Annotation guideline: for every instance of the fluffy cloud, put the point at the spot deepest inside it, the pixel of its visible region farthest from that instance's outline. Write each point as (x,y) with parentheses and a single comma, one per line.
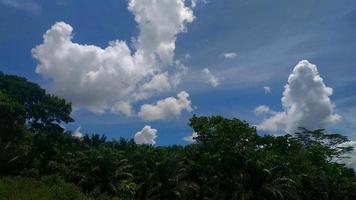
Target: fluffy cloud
(305,101)
(159,23)
(190,138)
(210,78)
(229,55)
(274,123)
(87,75)
(167,108)
(158,83)
(147,135)
(97,78)
(267,90)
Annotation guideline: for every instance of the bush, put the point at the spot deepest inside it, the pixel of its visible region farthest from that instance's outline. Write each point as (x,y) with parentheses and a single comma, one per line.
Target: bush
(48,188)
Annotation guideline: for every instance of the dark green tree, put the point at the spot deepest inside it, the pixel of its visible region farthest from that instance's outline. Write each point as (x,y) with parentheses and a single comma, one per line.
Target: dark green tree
(42,110)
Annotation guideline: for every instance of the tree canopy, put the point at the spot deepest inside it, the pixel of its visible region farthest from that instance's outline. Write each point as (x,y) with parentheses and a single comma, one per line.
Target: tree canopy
(229,159)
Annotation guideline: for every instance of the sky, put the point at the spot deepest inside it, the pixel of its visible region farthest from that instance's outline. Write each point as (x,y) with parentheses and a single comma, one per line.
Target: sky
(141,68)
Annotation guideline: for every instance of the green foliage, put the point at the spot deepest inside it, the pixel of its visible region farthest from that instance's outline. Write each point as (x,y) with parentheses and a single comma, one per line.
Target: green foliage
(41,109)
(101,170)
(47,188)
(12,118)
(39,160)
(13,141)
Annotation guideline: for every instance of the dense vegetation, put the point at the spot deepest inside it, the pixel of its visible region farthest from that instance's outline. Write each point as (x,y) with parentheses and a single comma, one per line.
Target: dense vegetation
(40,160)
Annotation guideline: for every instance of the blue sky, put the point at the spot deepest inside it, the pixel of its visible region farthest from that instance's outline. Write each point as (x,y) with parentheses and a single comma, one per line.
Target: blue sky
(266,39)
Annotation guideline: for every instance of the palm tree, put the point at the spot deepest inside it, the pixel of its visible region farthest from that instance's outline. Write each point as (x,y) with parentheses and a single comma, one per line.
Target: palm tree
(101,170)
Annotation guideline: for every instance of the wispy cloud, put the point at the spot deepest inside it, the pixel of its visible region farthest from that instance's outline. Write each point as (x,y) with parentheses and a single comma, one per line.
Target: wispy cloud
(267,90)
(229,55)
(25,5)
(210,78)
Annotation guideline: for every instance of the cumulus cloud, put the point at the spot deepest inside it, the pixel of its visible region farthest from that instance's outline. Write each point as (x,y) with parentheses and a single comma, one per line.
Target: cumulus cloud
(210,78)
(190,138)
(158,83)
(159,23)
(267,90)
(229,55)
(274,123)
(87,75)
(77,133)
(147,135)
(305,101)
(97,78)
(167,108)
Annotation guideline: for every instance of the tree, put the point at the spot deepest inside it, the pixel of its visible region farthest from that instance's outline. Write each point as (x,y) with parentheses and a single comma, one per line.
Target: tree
(12,119)
(41,109)
(229,160)
(224,146)
(14,142)
(101,170)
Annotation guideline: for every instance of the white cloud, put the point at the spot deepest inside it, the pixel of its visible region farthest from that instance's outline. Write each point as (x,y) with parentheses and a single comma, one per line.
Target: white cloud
(274,123)
(25,5)
(267,90)
(229,55)
(210,78)
(190,138)
(262,109)
(87,75)
(305,101)
(181,71)
(147,135)
(159,23)
(158,83)
(77,133)
(122,107)
(97,78)
(186,57)
(351,161)
(195,2)
(167,108)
